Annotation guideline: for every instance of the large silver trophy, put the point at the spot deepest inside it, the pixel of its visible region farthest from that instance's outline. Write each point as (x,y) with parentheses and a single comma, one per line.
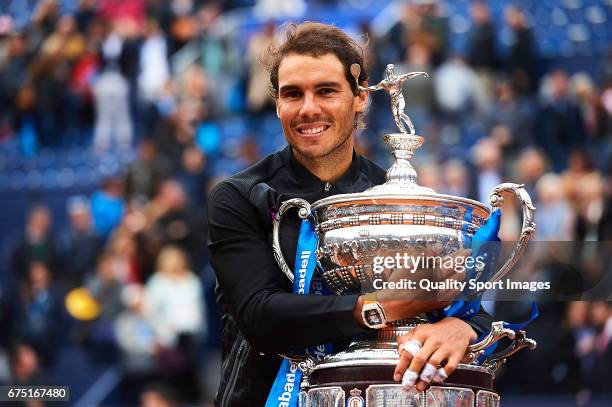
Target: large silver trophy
(396,217)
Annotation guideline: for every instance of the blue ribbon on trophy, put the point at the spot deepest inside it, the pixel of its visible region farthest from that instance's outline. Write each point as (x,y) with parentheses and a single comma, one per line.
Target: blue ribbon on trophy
(286,386)
(485,244)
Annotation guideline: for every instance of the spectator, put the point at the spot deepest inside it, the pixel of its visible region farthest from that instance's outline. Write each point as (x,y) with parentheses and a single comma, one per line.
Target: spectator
(194,175)
(105,288)
(80,91)
(65,44)
(604,230)
(258,92)
(554,216)
(38,245)
(429,176)
(396,41)
(593,113)
(113,118)
(600,317)
(531,165)
(112,96)
(579,164)
(145,173)
(126,262)
(13,75)
(172,220)
(456,179)
(45,18)
(40,314)
(51,75)
(85,14)
(154,69)
(107,206)
(433,28)
(81,244)
(25,367)
(514,112)
(486,156)
(421,21)
(173,298)
(173,305)
(523,52)
(483,52)
(560,124)
(591,200)
(135,335)
(458,90)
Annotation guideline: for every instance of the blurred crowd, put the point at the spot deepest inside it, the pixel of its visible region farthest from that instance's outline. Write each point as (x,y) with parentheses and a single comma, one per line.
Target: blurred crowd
(127,278)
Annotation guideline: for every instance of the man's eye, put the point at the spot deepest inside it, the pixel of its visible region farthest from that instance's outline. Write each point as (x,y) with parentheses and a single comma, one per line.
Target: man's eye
(292,94)
(326,91)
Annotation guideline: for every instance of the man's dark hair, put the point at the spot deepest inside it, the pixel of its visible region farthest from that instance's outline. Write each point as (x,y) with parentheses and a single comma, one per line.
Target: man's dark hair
(316,39)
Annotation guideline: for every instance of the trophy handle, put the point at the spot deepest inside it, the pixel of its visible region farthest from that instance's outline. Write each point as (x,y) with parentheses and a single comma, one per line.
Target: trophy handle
(527,229)
(305,363)
(304,213)
(497,332)
(521,341)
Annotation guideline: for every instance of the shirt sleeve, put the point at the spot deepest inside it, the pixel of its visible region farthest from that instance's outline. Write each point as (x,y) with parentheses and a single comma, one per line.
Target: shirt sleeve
(481,322)
(255,291)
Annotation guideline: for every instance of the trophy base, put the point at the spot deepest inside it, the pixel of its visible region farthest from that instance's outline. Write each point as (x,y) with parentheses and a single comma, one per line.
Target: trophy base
(362,375)
(355,386)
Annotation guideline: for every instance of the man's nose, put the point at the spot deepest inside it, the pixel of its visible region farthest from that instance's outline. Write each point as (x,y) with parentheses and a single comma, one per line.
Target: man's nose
(310,106)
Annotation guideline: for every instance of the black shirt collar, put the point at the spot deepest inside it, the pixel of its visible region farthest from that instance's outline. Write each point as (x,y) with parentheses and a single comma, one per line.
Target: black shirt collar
(308,179)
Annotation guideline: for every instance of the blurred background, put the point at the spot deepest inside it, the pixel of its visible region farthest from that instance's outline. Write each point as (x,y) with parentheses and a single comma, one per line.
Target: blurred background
(118,116)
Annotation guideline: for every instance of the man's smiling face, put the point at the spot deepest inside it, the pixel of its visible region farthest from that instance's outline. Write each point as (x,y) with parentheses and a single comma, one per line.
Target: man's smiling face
(316,106)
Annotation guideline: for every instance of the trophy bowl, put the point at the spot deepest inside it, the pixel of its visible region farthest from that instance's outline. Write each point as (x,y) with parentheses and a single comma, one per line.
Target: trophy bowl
(357,232)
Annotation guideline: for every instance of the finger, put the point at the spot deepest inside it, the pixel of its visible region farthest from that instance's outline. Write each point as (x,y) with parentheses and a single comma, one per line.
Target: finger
(425,377)
(407,350)
(431,369)
(419,360)
(408,379)
(402,365)
(451,365)
(440,376)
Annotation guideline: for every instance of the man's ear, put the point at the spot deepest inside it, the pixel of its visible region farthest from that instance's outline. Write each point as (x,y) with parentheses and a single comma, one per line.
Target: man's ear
(276,104)
(361,99)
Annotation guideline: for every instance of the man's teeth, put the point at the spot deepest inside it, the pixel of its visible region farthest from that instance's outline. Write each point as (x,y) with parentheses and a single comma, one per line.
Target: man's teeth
(315,130)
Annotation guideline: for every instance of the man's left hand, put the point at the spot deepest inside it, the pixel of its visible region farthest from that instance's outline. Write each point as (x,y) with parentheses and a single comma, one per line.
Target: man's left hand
(442,343)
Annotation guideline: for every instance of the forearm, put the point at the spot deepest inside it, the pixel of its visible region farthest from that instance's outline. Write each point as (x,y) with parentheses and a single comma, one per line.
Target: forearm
(394,310)
(278,322)
(481,322)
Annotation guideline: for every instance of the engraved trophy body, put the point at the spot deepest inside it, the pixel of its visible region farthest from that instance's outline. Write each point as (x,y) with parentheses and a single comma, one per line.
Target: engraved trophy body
(398,216)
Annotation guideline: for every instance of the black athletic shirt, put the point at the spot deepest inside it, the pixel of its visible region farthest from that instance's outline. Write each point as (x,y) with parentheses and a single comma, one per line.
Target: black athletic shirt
(260,314)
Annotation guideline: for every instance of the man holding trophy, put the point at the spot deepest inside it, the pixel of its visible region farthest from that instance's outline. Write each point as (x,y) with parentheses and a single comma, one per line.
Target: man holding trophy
(321,93)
